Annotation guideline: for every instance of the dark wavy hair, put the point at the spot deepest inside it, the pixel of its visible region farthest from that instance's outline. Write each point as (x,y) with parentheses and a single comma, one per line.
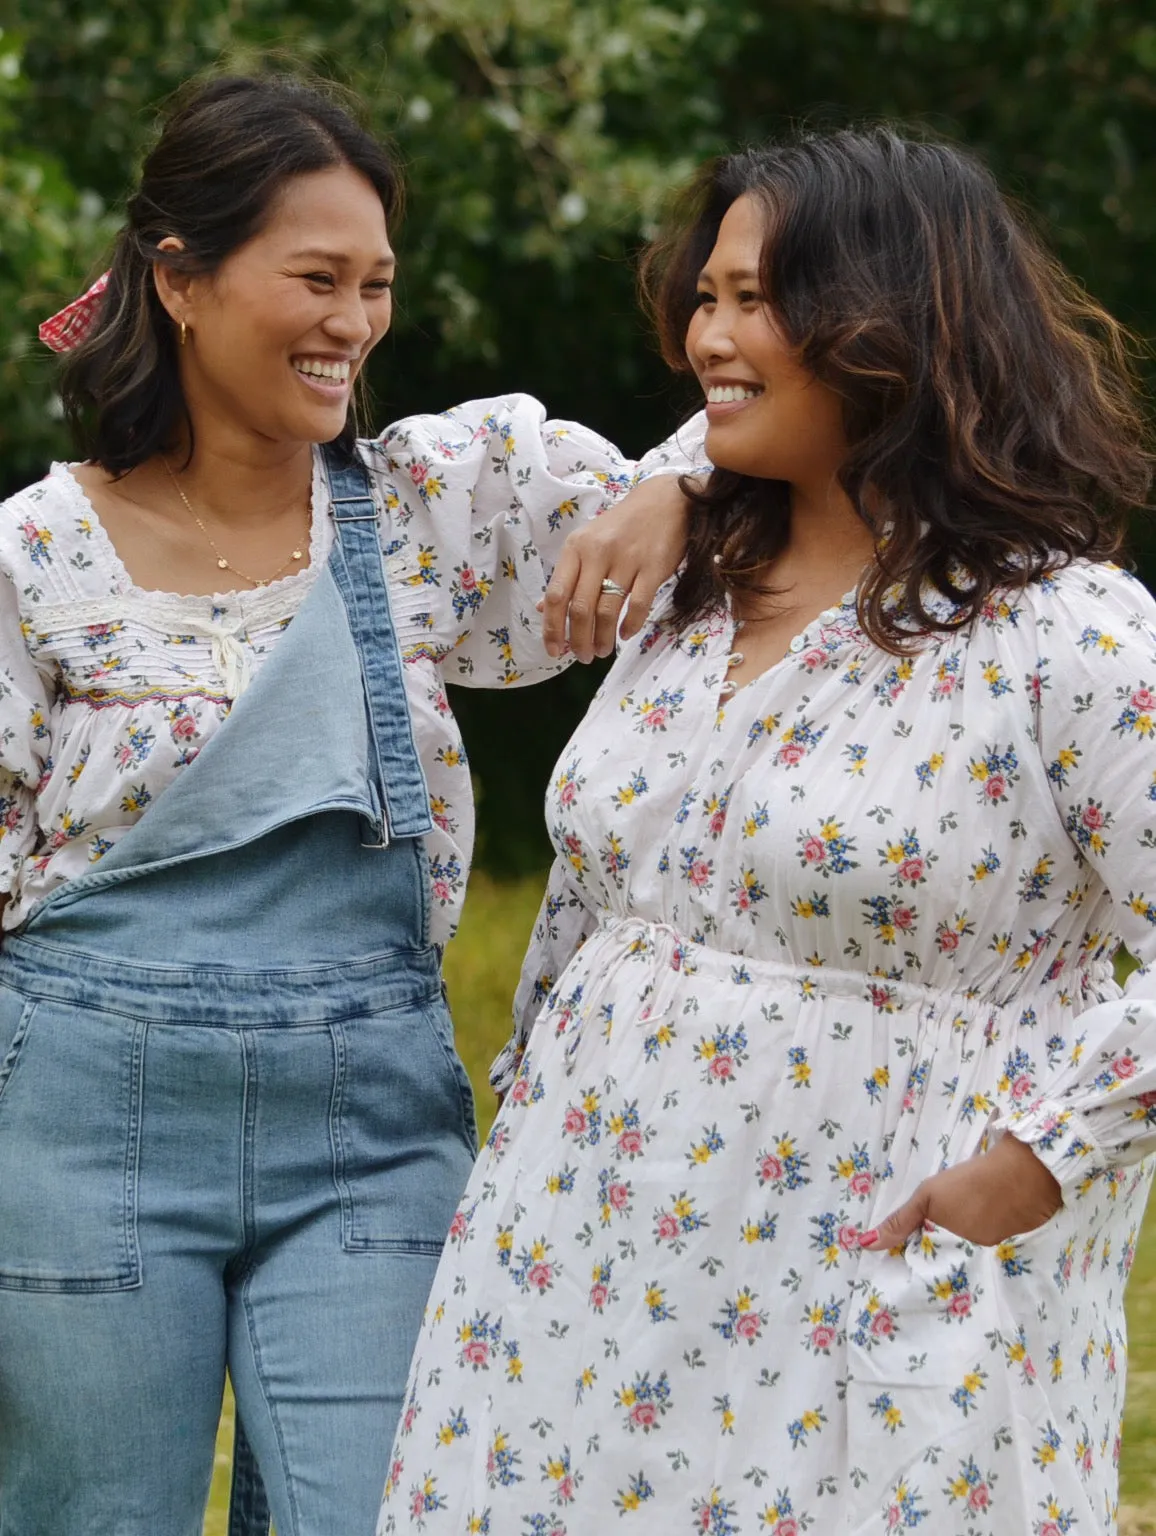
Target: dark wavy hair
(227,148)
(990,404)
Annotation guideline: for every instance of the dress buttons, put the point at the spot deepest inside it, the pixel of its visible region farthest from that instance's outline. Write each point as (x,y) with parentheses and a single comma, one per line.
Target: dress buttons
(797,644)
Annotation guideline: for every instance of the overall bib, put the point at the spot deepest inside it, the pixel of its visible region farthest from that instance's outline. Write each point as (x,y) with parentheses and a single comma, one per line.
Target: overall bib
(233,1125)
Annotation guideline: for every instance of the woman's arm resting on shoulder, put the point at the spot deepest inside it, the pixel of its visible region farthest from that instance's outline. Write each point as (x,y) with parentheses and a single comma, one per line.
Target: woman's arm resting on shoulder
(479,503)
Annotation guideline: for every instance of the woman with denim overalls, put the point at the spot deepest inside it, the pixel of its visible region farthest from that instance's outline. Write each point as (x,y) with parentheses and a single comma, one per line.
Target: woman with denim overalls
(233,1125)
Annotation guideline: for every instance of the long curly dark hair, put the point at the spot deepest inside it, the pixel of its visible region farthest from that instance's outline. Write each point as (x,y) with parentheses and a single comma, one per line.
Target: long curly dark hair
(990,405)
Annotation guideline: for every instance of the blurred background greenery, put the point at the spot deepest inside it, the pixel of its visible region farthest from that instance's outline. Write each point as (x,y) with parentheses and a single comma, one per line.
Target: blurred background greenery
(540,138)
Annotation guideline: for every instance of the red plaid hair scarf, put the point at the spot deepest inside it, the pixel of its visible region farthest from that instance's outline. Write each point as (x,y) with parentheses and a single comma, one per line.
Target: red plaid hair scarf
(70,325)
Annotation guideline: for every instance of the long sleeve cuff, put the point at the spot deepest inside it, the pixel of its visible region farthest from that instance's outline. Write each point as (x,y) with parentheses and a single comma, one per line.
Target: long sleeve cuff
(1060,1137)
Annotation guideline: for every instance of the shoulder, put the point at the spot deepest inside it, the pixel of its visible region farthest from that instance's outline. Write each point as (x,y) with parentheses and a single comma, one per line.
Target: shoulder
(453,431)
(1093,608)
(40,525)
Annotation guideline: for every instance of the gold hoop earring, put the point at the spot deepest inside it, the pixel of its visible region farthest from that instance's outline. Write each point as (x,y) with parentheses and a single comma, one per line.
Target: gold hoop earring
(184,333)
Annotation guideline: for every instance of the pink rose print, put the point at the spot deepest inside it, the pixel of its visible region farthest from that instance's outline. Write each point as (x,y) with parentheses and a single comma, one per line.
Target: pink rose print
(721,1066)
(1144,700)
(1093,818)
(574,1121)
(979,1498)
(630,1143)
(883,1324)
(749,1325)
(959,1305)
(540,1275)
(618,1195)
(823,1336)
(1124,1066)
(667,1226)
(911,870)
(475,1352)
(813,850)
(848,1237)
(862,1183)
(468,579)
(644,1415)
(995,788)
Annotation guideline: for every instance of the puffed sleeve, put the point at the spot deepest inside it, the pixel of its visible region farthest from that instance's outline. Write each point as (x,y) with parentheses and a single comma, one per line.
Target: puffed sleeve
(480,500)
(564,924)
(24,739)
(1098,721)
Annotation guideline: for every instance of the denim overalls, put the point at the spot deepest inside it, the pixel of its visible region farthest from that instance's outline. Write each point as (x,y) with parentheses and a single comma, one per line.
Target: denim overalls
(233,1126)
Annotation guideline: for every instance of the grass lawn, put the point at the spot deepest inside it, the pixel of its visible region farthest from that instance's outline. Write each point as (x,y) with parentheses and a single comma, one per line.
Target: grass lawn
(481,967)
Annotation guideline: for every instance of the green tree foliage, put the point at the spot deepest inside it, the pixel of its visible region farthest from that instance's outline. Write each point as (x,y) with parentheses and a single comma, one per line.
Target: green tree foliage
(541,138)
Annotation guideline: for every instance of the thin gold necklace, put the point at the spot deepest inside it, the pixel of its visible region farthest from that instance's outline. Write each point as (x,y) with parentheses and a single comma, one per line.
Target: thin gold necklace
(224,564)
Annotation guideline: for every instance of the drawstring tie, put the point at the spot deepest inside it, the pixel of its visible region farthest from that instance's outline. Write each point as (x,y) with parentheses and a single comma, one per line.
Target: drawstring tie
(616,942)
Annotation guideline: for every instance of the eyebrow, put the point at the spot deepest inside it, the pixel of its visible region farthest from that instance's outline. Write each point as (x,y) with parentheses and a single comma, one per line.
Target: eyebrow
(735,275)
(337,258)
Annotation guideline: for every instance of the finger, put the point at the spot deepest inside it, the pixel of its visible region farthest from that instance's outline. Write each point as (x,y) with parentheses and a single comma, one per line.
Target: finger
(583,615)
(642,595)
(607,613)
(556,602)
(898,1227)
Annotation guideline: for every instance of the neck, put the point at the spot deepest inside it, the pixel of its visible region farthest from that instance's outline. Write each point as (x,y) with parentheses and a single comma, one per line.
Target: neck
(826,531)
(238,478)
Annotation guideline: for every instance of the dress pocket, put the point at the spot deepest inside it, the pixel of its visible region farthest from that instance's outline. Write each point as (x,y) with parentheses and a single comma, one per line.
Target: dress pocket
(402,1126)
(70,1111)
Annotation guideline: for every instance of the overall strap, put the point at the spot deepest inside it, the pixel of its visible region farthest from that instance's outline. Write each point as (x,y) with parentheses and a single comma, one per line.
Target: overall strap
(359,571)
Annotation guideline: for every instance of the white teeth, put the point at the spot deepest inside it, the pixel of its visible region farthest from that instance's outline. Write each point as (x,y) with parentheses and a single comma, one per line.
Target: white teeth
(317,369)
(725,394)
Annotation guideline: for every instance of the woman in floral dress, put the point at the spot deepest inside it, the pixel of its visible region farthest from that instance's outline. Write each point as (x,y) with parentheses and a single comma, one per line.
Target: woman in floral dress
(820,1167)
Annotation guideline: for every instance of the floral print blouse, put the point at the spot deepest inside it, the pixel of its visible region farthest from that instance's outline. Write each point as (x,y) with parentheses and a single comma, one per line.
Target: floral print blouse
(108,690)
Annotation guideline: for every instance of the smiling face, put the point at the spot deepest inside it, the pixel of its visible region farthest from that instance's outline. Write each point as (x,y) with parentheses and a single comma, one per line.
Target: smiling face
(280,331)
(767,415)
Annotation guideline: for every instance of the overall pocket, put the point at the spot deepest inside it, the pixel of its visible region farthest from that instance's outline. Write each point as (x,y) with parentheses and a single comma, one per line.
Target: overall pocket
(402,1124)
(70,1109)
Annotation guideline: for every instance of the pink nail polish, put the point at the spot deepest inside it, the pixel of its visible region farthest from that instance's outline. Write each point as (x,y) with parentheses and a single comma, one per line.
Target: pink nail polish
(867,1238)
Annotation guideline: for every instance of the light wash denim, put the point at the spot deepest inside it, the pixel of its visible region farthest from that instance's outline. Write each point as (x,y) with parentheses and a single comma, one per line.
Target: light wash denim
(233,1125)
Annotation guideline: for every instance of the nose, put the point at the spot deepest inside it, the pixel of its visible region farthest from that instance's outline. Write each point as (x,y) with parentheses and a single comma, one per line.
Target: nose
(348,320)
(709,339)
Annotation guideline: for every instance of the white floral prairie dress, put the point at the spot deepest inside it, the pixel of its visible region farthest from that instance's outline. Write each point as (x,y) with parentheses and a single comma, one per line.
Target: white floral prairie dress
(798,953)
